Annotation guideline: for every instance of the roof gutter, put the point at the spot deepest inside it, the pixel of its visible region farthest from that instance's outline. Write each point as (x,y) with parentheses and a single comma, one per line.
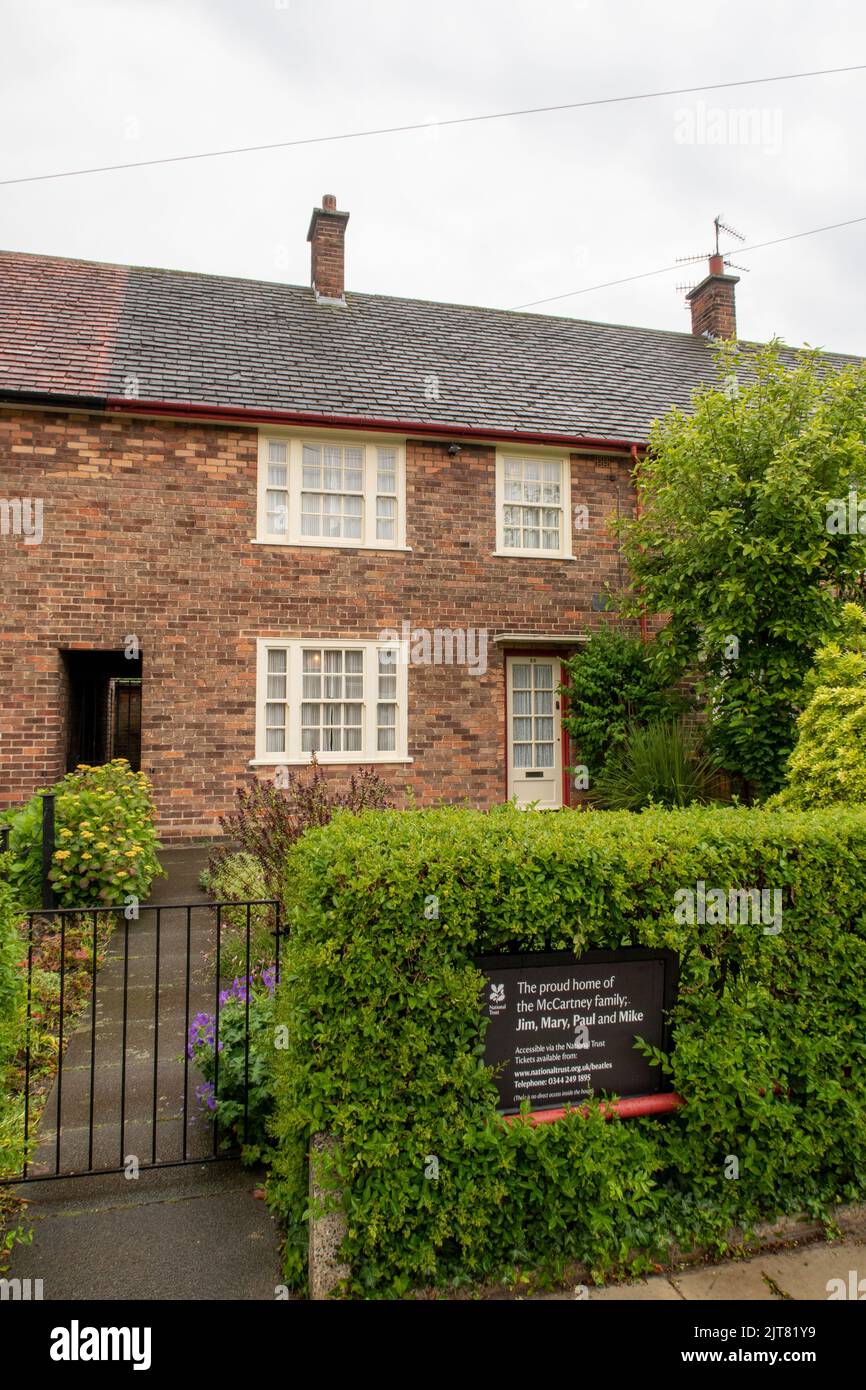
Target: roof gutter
(136,405)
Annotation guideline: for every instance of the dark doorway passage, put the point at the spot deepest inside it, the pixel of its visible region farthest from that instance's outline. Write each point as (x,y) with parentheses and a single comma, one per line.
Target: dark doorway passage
(104,707)
(126,723)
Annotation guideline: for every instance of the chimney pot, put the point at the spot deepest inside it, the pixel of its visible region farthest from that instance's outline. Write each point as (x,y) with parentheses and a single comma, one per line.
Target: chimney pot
(327,252)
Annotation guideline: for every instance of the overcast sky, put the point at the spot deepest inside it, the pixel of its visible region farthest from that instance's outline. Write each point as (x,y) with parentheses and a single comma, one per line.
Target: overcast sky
(496,213)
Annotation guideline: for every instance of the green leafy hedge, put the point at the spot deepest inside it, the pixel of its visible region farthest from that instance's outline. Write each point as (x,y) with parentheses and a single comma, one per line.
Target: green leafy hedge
(105,839)
(382,1037)
(828,761)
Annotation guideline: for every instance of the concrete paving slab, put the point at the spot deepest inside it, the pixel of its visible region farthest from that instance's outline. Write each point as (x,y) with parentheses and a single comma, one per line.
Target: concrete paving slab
(108,1079)
(806,1273)
(213,1243)
(109,1152)
(656,1290)
(99,1191)
(740,1279)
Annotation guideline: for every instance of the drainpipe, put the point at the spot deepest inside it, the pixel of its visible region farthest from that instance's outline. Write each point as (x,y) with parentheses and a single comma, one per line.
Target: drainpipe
(644,634)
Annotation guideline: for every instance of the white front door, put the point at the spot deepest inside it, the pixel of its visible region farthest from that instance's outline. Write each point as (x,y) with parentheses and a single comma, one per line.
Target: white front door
(534,731)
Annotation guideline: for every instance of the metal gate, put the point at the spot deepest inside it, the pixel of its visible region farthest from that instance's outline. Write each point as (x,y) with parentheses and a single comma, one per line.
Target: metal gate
(123,1047)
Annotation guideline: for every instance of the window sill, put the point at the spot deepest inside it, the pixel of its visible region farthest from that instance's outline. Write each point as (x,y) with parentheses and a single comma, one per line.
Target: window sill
(330,760)
(333,545)
(530,555)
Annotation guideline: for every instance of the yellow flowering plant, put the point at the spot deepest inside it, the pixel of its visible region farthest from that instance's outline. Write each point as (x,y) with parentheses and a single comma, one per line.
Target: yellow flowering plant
(86,863)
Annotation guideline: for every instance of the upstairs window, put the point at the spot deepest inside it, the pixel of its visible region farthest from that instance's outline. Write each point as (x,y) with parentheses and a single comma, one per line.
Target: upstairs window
(533,506)
(331,493)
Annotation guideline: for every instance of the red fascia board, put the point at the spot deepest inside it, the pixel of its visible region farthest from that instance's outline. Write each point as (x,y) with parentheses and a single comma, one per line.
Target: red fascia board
(626,1108)
(250,414)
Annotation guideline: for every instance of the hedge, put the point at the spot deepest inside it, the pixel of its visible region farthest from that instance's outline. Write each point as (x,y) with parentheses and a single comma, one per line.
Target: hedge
(104,833)
(381,1041)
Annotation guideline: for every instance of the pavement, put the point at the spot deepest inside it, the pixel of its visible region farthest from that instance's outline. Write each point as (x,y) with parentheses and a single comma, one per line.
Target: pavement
(812,1272)
(187,1230)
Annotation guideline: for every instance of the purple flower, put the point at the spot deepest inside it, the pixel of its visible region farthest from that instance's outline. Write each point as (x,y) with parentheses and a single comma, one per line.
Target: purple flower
(202,1030)
(201,1033)
(206,1094)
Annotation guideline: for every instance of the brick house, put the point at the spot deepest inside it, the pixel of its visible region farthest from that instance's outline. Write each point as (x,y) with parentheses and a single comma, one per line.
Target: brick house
(243,521)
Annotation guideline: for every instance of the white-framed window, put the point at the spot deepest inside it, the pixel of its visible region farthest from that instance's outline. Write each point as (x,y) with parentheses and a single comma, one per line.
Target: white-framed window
(533,505)
(341,491)
(343,699)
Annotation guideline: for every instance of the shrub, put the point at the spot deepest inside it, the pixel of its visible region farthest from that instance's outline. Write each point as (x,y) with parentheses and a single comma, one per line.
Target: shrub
(24,864)
(241,877)
(663,763)
(237,876)
(12,987)
(828,762)
(381,1005)
(11,976)
(240,1097)
(269,819)
(613,685)
(104,833)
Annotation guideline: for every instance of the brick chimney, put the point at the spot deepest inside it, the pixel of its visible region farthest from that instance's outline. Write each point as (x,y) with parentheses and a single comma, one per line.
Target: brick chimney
(712,303)
(327,257)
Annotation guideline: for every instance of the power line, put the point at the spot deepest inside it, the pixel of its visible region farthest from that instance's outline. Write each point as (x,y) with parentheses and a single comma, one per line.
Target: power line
(664,269)
(430,125)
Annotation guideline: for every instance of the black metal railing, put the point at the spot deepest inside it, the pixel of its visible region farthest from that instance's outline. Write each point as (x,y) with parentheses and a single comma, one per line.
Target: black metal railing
(112,994)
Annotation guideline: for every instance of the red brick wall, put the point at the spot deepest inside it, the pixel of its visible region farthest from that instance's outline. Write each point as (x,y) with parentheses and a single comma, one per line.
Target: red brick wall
(714,309)
(147,529)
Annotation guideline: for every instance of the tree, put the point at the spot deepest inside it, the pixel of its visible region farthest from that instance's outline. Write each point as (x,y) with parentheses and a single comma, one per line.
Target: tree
(828,763)
(749,539)
(613,686)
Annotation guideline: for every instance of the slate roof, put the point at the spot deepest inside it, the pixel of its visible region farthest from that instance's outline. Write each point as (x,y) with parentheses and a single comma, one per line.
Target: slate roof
(82,328)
